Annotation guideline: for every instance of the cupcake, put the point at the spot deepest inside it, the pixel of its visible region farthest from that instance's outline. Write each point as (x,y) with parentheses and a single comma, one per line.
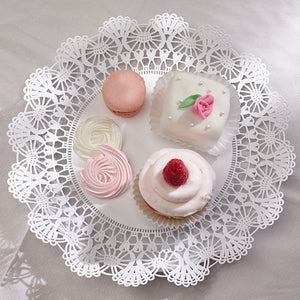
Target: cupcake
(175,183)
(201,111)
(124,93)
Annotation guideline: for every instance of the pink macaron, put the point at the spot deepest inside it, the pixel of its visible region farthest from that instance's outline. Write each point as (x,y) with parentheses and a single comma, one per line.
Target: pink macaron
(124,93)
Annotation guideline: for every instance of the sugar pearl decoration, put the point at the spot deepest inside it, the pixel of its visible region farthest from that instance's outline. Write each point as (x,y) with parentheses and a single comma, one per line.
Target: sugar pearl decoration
(192,124)
(221,114)
(207,127)
(223,92)
(200,83)
(170,117)
(208,91)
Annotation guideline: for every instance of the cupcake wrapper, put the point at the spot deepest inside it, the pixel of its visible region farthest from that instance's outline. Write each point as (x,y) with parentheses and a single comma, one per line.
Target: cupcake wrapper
(161,219)
(230,129)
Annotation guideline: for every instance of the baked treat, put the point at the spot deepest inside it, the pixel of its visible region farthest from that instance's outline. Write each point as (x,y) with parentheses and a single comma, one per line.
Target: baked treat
(93,132)
(176,182)
(124,93)
(107,175)
(202,111)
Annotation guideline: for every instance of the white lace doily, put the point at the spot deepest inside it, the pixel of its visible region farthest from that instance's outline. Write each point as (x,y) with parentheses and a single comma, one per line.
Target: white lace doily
(93,243)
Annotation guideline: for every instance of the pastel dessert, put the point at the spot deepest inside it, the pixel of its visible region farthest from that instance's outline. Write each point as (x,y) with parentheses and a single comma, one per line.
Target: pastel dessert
(93,132)
(107,175)
(198,110)
(176,183)
(124,93)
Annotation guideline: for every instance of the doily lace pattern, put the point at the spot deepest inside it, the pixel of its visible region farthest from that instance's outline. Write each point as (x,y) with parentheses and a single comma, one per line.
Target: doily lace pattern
(93,244)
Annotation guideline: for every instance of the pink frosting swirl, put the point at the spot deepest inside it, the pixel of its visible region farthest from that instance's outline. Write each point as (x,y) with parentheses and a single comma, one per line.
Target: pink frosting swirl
(203,106)
(107,175)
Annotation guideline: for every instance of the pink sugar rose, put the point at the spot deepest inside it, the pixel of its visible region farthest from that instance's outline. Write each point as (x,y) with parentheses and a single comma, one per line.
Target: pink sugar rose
(203,106)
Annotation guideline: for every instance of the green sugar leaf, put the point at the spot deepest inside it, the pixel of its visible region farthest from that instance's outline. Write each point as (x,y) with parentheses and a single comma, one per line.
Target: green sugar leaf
(189,101)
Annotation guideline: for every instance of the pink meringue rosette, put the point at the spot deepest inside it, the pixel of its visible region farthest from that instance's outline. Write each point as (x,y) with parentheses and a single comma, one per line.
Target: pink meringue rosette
(107,175)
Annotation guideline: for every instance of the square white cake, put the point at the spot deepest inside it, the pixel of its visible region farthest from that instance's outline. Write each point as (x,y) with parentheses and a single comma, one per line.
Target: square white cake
(186,125)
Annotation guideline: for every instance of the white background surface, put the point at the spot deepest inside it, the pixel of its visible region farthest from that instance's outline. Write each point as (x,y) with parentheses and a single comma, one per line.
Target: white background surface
(31,31)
